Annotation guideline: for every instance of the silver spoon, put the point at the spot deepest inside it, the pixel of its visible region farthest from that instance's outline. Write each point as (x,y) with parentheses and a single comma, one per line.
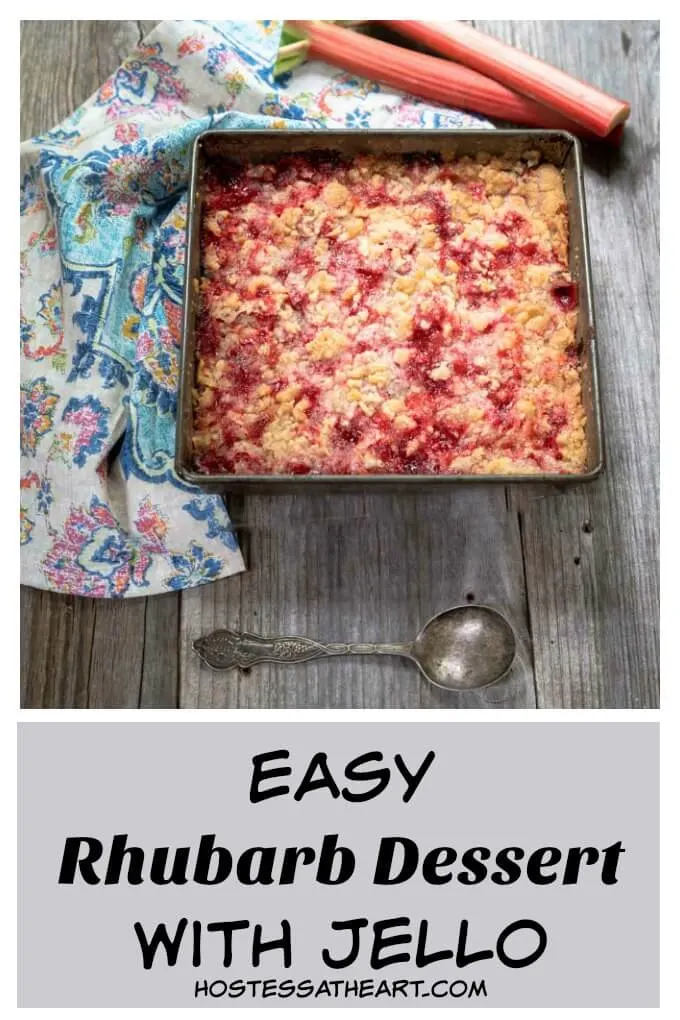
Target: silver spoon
(460,649)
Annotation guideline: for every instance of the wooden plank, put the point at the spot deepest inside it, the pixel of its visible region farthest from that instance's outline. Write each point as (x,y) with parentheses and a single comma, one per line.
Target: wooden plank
(56,648)
(355,568)
(86,653)
(160,665)
(592,555)
(117,658)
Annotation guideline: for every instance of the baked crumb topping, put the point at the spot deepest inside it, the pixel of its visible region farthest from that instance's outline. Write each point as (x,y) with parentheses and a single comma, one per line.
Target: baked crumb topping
(387,315)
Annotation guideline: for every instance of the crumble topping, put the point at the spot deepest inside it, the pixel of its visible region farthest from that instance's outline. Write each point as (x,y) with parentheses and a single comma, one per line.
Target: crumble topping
(389,315)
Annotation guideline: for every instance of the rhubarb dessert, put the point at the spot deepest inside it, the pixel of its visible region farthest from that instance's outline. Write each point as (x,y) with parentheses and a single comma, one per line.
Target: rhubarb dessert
(387,315)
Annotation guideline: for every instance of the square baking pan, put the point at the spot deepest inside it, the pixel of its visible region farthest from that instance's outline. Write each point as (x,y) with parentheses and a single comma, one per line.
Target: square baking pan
(557,147)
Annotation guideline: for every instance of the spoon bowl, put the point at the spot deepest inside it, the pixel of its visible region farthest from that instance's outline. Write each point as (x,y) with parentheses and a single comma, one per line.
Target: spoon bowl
(465,648)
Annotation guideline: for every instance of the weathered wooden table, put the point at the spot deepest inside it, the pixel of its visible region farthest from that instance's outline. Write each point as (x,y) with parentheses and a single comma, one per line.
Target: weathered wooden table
(576,571)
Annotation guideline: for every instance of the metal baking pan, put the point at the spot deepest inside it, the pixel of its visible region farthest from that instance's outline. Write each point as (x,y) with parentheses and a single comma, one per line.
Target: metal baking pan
(557,147)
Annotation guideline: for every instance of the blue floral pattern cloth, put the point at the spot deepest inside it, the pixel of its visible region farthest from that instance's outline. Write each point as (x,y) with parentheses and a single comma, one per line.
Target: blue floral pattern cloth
(103,207)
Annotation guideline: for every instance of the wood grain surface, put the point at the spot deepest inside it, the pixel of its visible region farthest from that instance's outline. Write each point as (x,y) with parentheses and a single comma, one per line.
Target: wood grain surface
(576,571)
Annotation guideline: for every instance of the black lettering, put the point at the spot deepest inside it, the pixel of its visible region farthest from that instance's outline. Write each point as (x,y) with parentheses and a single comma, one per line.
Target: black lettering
(206,851)
(546,857)
(365,988)
(305,989)
(329,853)
(413,780)
(259,775)
(228,928)
(261,859)
(196,953)
(290,859)
(70,860)
(160,938)
(434,861)
(237,988)
(284,943)
(380,942)
(159,860)
(423,958)
(400,987)
(461,993)
(286,988)
(472,860)
(354,926)
(218,988)
(463,958)
(118,852)
(325,780)
(383,866)
(352,772)
(574,855)
(524,961)
(611,861)
(506,861)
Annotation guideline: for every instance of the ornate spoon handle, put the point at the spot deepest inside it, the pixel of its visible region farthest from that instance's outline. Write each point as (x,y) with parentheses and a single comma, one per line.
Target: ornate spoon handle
(228,649)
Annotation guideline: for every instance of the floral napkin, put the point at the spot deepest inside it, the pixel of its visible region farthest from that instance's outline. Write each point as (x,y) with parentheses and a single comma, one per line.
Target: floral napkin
(103,207)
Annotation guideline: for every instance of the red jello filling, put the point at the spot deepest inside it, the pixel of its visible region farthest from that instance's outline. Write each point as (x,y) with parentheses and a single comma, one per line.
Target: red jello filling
(348,317)
(566,295)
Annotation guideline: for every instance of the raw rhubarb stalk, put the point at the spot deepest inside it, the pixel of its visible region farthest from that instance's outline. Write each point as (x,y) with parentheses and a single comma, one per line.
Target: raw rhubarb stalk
(581,103)
(424,76)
